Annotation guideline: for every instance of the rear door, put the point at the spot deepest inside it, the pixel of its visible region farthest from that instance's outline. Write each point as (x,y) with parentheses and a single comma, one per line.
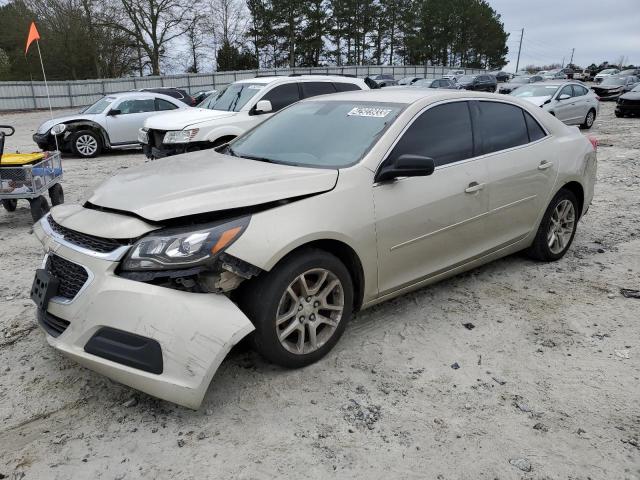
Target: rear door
(582,102)
(427,225)
(123,128)
(313,89)
(522,168)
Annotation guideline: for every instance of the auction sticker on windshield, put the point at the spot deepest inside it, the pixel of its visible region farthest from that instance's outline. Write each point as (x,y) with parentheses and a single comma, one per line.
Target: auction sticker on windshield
(369,112)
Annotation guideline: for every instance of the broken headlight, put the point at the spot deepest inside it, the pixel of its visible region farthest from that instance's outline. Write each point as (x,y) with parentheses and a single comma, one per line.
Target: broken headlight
(183,248)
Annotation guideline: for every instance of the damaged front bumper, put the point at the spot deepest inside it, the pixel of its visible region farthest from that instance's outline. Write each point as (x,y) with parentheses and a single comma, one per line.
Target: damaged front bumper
(165,342)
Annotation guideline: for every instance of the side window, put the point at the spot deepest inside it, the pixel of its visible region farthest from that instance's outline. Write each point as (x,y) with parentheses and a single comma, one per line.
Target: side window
(312,89)
(579,91)
(566,90)
(137,106)
(535,130)
(442,133)
(282,96)
(345,87)
(501,126)
(163,105)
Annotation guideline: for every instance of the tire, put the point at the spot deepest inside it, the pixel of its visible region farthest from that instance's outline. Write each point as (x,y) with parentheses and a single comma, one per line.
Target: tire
(589,119)
(39,208)
(10,204)
(548,248)
(86,144)
(266,298)
(619,115)
(56,194)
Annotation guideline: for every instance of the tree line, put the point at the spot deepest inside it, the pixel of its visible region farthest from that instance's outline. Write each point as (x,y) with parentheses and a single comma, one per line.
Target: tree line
(114,38)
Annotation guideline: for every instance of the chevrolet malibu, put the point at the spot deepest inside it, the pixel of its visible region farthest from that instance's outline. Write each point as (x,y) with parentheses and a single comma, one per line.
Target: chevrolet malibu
(329,207)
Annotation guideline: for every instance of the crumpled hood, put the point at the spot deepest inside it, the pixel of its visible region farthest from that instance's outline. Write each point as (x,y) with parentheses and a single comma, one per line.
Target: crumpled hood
(46,126)
(206,181)
(183,118)
(538,101)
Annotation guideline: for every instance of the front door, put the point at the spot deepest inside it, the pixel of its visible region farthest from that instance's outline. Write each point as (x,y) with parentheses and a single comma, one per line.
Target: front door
(123,128)
(565,110)
(426,225)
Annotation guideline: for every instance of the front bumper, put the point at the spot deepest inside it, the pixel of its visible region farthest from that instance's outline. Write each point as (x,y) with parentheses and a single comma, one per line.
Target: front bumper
(194,331)
(46,141)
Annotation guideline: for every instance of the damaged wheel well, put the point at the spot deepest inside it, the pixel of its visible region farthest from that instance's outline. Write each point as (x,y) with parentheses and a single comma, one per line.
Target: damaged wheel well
(576,189)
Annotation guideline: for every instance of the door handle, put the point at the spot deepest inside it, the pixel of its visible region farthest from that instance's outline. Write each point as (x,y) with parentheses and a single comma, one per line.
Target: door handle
(544,165)
(474,187)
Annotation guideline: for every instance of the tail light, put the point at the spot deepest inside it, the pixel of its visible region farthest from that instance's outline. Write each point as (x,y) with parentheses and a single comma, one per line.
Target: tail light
(594,142)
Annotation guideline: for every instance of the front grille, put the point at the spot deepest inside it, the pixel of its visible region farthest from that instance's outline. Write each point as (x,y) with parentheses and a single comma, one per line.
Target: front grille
(97,244)
(72,276)
(51,324)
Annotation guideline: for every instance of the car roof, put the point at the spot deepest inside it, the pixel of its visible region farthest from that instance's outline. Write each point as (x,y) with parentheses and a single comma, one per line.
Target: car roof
(273,78)
(403,95)
(138,94)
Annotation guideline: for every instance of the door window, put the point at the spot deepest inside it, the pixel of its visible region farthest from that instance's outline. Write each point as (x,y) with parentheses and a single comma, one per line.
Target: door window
(442,133)
(163,105)
(566,90)
(345,87)
(137,106)
(501,126)
(312,89)
(282,96)
(535,130)
(579,91)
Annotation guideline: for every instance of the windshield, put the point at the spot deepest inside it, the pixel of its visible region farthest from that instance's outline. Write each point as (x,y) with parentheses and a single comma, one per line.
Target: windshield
(521,80)
(636,89)
(100,106)
(234,97)
(614,81)
(533,90)
(466,78)
(608,70)
(424,82)
(298,135)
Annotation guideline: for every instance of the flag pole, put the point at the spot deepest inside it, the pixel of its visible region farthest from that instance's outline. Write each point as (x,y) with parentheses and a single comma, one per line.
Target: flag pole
(46,87)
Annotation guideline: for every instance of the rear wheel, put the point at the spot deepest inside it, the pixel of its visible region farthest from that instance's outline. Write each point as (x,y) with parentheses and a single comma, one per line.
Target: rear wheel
(10,204)
(619,114)
(557,228)
(589,119)
(300,308)
(56,194)
(39,208)
(86,144)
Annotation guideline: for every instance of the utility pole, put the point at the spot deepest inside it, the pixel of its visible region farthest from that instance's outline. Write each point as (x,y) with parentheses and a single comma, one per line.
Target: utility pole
(519,50)
(572,51)
(563,62)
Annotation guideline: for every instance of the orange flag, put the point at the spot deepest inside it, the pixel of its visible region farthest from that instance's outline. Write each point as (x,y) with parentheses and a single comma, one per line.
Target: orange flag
(33,36)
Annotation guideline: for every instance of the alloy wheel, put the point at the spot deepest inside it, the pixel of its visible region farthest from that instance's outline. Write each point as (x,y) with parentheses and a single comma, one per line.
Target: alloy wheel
(86,145)
(309,311)
(590,119)
(561,226)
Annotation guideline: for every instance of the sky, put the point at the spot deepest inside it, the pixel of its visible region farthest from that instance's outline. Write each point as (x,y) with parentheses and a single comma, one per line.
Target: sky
(599,30)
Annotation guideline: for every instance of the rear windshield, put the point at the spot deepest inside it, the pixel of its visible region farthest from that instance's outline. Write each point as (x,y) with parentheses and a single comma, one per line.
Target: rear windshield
(234,97)
(298,135)
(535,90)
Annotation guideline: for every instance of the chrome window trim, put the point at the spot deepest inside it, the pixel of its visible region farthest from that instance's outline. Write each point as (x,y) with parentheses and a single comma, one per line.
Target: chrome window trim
(113,256)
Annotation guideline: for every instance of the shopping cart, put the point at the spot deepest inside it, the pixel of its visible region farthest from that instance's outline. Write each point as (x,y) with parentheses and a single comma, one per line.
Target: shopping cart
(28,176)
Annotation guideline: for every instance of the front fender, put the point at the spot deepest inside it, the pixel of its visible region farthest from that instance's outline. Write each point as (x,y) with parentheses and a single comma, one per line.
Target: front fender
(76,125)
(226,131)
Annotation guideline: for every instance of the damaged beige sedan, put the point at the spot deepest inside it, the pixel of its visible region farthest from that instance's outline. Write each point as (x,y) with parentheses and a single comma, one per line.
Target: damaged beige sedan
(334,204)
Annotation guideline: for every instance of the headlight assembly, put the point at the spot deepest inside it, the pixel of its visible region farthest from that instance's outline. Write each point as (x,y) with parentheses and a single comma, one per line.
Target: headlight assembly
(58,129)
(184,247)
(180,136)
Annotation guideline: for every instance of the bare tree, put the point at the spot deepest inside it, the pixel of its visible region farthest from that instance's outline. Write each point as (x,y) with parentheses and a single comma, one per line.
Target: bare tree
(153,24)
(229,22)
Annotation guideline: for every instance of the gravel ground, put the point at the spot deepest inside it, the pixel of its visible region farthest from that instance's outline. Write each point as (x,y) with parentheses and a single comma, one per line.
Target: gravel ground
(546,385)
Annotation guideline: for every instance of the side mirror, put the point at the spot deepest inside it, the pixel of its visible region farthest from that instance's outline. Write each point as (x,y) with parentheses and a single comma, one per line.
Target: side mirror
(263,106)
(114,112)
(406,165)
(564,96)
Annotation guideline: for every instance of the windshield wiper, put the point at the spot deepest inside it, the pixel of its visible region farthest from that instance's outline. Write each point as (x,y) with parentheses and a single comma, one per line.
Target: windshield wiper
(259,159)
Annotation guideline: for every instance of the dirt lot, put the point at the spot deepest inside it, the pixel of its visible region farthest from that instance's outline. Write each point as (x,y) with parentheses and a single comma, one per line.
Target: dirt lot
(548,380)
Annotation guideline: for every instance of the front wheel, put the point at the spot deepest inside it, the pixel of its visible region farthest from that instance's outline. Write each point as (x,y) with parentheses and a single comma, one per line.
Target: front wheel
(86,144)
(589,119)
(557,228)
(300,308)
(10,204)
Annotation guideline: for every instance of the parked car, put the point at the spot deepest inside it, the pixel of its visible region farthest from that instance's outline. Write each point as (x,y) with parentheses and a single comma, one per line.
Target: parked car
(501,76)
(520,73)
(283,234)
(585,75)
(628,103)
(111,123)
(608,72)
(612,87)
(409,80)
(200,95)
(178,93)
(568,72)
(454,74)
(630,71)
(541,72)
(436,83)
(554,75)
(380,81)
(485,83)
(239,107)
(518,82)
(570,102)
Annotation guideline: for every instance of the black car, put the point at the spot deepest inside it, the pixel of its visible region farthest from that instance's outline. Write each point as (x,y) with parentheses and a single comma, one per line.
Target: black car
(177,93)
(482,83)
(509,87)
(629,103)
(614,86)
(382,80)
(435,83)
(200,95)
(501,76)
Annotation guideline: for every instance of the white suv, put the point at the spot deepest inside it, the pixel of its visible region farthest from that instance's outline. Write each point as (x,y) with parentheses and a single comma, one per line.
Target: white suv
(236,109)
